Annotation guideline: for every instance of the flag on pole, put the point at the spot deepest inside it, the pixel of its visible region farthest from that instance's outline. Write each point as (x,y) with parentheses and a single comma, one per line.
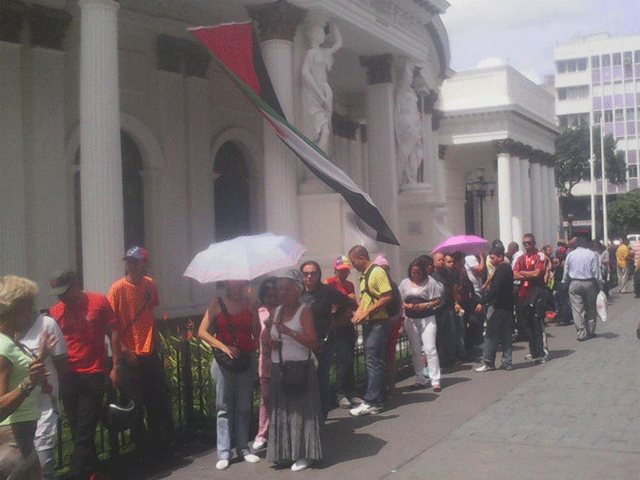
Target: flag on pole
(235,48)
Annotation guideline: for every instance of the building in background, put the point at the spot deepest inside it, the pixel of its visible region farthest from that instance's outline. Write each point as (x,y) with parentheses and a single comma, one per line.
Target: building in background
(600,75)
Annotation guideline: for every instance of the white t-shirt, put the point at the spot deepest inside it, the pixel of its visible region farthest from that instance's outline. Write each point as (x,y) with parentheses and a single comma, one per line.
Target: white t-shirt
(471,261)
(46,431)
(430,289)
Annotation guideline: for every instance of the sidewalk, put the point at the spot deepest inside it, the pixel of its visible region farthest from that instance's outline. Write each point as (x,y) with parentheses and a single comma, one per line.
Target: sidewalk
(575,416)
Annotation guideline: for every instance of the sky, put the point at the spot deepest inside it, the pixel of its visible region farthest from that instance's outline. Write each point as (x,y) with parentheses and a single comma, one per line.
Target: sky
(523,33)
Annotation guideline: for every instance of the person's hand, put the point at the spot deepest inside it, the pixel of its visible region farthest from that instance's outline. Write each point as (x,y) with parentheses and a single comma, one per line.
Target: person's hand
(37,372)
(479,308)
(357,318)
(233,352)
(457,307)
(47,343)
(129,356)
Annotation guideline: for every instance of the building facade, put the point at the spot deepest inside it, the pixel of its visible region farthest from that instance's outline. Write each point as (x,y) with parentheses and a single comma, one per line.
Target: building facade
(118,130)
(497,134)
(598,77)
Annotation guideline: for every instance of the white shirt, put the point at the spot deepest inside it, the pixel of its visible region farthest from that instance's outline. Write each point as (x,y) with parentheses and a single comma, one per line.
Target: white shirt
(48,402)
(582,264)
(471,261)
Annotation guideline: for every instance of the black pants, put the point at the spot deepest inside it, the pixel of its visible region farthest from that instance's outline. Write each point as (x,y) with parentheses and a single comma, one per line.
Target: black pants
(81,396)
(146,384)
(636,283)
(533,326)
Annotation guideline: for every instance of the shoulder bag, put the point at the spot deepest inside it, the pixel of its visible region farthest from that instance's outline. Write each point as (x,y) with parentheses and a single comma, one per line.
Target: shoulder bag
(293,373)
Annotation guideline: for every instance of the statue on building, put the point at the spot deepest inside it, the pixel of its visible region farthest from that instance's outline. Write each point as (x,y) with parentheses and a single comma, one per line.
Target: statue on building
(317,96)
(408,127)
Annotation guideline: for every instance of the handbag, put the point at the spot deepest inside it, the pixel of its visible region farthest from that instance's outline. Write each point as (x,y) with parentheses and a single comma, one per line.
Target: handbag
(241,362)
(293,373)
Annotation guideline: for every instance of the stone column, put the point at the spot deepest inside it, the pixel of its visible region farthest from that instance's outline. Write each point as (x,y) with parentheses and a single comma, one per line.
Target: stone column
(546,205)
(277,23)
(101,162)
(516,200)
(13,213)
(504,193)
(553,206)
(383,173)
(48,222)
(536,197)
(525,193)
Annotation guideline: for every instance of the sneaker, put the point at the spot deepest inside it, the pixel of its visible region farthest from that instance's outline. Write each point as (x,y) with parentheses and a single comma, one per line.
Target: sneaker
(259,445)
(540,360)
(356,400)
(222,464)
(528,356)
(251,458)
(437,388)
(364,409)
(506,366)
(485,368)
(301,464)
(344,402)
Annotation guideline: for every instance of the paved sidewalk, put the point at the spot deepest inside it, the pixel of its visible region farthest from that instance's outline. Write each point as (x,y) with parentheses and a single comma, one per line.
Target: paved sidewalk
(575,416)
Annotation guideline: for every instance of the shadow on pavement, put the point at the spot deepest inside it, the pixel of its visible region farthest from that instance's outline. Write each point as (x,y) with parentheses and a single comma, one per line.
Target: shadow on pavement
(607,335)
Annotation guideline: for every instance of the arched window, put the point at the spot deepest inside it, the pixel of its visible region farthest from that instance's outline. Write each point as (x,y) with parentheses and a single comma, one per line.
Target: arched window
(231,193)
(132,196)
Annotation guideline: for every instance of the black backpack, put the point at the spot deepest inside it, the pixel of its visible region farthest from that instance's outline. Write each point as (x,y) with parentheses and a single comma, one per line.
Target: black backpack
(393,307)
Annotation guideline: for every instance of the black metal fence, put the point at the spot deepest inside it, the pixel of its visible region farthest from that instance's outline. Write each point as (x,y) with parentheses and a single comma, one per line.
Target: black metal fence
(187,362)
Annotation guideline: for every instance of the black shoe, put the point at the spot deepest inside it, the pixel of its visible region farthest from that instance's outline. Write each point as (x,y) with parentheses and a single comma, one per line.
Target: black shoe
(506,366)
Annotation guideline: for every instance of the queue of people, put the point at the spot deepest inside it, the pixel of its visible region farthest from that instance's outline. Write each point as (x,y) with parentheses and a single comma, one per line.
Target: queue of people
(453,308)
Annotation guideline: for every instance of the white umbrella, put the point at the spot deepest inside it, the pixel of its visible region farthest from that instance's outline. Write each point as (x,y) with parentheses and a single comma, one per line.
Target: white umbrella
(244,258)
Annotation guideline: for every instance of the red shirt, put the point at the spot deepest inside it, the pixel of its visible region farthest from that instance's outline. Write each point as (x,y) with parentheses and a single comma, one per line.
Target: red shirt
(84,326)
(530,263)
(243,328)
(348,289)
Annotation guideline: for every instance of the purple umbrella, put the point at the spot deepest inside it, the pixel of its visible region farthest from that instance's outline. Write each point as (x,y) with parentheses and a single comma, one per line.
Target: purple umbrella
(469,244)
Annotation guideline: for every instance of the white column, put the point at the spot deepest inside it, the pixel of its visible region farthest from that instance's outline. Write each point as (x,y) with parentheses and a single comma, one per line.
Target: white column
(279,163)
(430,154)
(546,206)
(553,206)
(516,201)
(537,211)
(100,155)
(504,197)
(48,212)
(383,177)
(525,193)
(12,180)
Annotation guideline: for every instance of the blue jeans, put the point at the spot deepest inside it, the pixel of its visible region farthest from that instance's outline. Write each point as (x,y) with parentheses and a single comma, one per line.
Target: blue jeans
(375,335)
(340,344)
(234,392)
(499,331)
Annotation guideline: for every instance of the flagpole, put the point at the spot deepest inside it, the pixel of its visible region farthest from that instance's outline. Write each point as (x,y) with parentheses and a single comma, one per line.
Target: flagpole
(593,177)
(605,225)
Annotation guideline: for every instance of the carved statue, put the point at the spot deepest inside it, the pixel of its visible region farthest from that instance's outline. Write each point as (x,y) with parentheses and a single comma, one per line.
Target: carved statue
(408,126)
(317,96)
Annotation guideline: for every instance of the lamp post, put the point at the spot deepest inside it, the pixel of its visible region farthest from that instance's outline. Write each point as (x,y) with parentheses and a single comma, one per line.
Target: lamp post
(481,188)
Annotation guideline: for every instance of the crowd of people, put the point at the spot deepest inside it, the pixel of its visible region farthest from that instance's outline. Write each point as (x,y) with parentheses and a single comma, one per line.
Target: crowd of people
(453,307)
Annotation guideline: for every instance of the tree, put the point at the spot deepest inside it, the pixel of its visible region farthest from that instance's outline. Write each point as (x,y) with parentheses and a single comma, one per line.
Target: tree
(624,214)
(572,159)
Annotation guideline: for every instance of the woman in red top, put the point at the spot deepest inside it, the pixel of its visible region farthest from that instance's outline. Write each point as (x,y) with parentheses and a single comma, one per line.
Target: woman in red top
(231,325)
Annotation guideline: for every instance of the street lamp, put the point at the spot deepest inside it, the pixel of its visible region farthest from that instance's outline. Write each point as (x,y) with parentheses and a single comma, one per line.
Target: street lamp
(481,188)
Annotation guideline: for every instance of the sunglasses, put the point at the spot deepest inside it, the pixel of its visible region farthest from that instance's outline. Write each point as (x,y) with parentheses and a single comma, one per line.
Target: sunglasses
(527,243)
(308,274)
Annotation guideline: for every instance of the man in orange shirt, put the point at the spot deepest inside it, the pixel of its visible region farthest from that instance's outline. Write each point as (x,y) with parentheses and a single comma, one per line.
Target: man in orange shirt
(134,299)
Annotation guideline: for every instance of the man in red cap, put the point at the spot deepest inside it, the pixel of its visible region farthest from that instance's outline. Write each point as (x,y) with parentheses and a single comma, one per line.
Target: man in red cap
(343,334)
(134,299)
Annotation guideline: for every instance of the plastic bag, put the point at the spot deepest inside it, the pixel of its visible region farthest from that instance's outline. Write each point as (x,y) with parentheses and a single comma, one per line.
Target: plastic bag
(601,306)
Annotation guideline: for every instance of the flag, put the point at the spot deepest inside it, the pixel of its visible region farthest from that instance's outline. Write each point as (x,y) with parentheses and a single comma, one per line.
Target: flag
(235,48)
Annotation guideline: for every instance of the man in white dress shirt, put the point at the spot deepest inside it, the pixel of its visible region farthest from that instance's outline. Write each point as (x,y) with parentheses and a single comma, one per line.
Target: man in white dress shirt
(582,270)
